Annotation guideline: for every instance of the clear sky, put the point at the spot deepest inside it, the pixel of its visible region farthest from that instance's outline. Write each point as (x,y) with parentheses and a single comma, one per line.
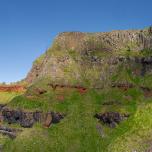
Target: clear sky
(27,27)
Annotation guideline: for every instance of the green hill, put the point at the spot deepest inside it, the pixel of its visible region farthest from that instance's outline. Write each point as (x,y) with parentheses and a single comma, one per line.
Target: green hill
(84,76)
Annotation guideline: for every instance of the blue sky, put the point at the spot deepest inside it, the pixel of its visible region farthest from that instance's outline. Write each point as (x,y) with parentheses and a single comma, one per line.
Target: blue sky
(27,27)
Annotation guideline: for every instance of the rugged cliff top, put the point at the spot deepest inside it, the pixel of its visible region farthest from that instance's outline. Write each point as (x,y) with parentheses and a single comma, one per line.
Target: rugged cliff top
(73,53)
(114,40)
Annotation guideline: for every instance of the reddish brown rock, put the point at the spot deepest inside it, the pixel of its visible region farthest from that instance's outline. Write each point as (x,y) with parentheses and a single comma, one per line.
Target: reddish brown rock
(12,88)
(48,120)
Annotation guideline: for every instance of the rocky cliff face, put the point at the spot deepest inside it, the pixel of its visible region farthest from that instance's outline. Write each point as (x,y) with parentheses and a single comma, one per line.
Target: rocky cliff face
(93,58)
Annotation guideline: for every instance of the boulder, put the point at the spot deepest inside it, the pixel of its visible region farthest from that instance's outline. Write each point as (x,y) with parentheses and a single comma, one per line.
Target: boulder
(27,119)
(38,116)
(48,120)
(111,118)
(56,117)
(11,116)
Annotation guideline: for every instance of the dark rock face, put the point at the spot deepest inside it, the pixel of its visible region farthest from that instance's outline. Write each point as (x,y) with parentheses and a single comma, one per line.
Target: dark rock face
(11,116)
(56,117)
(111,118)
(37,116)
(27,119)
(146,63)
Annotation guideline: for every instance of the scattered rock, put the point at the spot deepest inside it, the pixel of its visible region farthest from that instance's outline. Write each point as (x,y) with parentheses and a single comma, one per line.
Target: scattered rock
(111,118)
(10,132)
(11,116)
(48,120)
(27,119)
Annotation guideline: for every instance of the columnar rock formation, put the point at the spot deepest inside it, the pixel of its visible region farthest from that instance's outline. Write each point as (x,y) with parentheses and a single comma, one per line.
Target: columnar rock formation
(84,58)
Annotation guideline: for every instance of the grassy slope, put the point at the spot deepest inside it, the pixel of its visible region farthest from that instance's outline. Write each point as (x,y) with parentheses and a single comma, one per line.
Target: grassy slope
(78,131)
(5,97)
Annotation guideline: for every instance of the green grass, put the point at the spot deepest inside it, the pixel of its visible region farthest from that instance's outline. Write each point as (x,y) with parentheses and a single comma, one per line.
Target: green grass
(5,97)
(138,136)
(77,132)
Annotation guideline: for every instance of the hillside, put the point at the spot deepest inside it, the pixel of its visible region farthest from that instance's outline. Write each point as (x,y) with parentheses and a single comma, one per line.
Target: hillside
(90,59)
(89,92)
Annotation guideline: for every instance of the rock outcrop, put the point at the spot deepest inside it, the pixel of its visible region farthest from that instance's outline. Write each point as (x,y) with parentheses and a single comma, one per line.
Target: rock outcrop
(90,58)
(111,118)
(27,119)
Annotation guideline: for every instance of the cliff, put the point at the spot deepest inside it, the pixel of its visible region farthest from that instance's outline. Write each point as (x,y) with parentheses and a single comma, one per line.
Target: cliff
(91,59)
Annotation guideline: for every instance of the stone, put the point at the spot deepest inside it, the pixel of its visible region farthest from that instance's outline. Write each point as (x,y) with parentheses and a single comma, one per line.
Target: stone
(27,119)
(11,116)
(37,115)
(111,118)
(48,120)
(56,117)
